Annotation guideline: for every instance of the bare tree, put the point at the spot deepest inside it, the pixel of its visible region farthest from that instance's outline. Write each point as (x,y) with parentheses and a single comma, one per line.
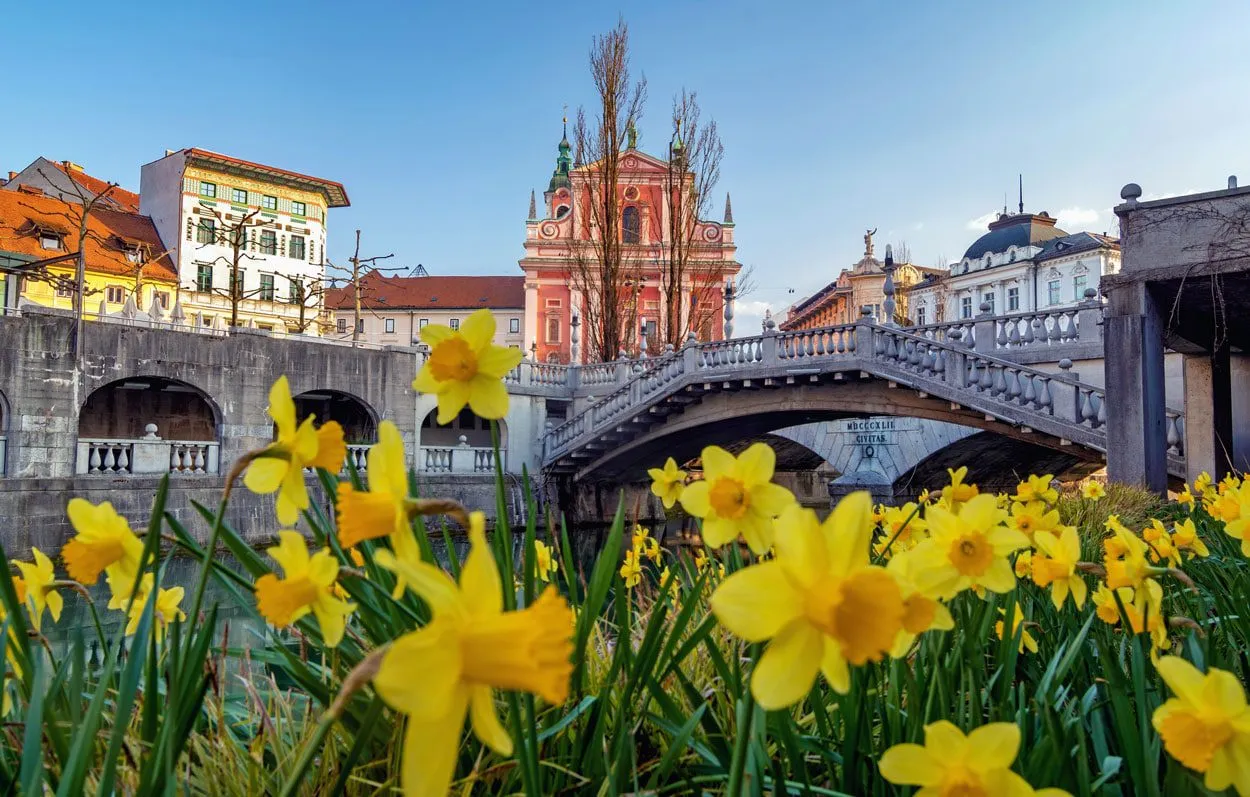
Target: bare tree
(356,273)
(689,293)
(603,263)
(232,232)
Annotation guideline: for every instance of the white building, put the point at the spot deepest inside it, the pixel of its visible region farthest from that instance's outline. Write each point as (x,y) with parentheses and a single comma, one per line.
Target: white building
(199,200)
(394,310)
(1023,264)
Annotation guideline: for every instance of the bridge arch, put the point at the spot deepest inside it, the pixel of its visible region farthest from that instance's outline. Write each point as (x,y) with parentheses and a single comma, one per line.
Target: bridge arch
(722,417)
(123,409)
(358,419)
(994,464)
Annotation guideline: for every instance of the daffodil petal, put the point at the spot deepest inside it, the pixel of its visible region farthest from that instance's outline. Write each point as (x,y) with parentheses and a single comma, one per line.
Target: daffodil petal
(694,499)
(946,741)
(835,669)
(488,397)
(478,329)
(434,334)
(387,468)
(755,603)
(770,499)
(433,585)
(847,532)
(480,586)
(435,650)
(756,464)
(996,744)
(263,476)
(717,462)
(910,765)
(496,361)
(425,381)
(452,398)
(282,406)
(431,748)
(786,671)
(486,724)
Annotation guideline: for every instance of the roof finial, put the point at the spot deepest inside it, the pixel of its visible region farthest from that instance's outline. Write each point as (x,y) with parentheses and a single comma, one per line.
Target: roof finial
(533,206)
(1021,176)
(729,210)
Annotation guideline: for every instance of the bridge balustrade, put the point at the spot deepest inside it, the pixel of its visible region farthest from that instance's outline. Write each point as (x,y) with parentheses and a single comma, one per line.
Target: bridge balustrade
(96,457)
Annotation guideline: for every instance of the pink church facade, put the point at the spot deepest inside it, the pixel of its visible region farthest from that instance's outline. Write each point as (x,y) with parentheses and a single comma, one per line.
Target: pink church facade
(564,234)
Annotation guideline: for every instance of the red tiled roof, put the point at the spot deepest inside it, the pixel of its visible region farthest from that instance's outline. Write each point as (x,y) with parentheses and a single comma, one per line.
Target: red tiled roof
(110,234)
(335,193)
(125,200)
(425,293)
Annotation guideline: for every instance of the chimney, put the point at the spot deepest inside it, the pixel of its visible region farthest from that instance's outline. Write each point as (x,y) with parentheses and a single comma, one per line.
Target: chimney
(71,165)
(12,174)
(168,152)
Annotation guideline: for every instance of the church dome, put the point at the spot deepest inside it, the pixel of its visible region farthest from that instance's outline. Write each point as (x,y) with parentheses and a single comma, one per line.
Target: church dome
(1019,230)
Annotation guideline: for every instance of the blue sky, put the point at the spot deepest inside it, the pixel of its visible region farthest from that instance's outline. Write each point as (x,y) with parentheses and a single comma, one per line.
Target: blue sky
(440,118)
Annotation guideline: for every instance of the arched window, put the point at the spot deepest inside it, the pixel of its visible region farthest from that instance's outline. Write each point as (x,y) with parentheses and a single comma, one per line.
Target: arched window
(631,227)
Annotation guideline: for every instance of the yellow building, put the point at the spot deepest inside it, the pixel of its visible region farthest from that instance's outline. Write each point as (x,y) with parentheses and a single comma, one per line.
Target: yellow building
(38,255)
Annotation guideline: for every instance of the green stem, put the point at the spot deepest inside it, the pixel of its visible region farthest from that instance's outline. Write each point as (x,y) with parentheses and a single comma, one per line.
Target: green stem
(524,751)
(213,537)
(746,712)
(312,749)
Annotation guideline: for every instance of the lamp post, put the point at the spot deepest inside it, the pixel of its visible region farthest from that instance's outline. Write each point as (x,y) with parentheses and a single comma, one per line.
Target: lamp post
(730,293)
(887,289)
(642,339)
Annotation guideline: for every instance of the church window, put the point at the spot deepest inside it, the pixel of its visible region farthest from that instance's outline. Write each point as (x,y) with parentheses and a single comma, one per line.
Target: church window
(631,226)
(553,329)
(1013,299)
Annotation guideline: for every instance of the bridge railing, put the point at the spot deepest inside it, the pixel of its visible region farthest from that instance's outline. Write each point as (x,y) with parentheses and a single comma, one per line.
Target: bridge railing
(1016,393)
(146,455)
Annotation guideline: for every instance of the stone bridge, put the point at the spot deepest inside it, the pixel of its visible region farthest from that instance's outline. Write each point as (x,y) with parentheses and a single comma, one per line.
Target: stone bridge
(726,390)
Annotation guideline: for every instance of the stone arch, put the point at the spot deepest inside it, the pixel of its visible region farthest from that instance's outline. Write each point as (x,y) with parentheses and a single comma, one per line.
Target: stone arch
(122,410)
(475,430)
(358,419)
(722,417)
(994,463)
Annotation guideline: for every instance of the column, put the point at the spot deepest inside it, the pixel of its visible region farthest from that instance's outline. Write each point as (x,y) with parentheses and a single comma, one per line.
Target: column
(530,332)
(1136,424)
(1208,414)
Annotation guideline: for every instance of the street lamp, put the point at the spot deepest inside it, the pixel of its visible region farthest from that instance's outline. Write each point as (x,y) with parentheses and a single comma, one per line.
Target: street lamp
(729,309)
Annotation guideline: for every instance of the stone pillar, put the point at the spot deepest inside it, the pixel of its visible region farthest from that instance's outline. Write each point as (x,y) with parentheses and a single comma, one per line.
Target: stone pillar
(530,331)
(985,338)
(1136,423)
(1208,414)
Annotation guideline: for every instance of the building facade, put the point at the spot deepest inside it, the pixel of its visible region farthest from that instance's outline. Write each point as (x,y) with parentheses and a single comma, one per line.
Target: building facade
(214,211)
(68,181)
(560,262)
(860,286)
(1024,263)
(394,310)
(125,260)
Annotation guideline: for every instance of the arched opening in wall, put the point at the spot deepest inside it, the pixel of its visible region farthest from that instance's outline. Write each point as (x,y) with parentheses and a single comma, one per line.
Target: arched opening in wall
(995,464)
(462,446)
(359,422)
(148,424)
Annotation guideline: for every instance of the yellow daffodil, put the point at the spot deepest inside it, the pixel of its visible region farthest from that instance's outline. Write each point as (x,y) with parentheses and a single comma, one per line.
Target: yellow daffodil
(1206,726)
(471,647)
(1126,560)
(104,544)
(1186,498)
(1055,566)
(464,367)
(957,492)
(950,763)
(1185,536)
(307,585)
(631,569)
(820,602)
(737,496)
(902,528)
(166,610)
(1032,517)
(667,483)
(639,537)
(1024,564)
(1027,642)
(1036,488)
(544,561)
(923,498)
(700,559)
(1203,483)
(382,511)
(1138,605)
(674,586)
(1159,543)
(280,466)
(1233,507)
(40,594)
(1093,490)
(967,549)
(920,613)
